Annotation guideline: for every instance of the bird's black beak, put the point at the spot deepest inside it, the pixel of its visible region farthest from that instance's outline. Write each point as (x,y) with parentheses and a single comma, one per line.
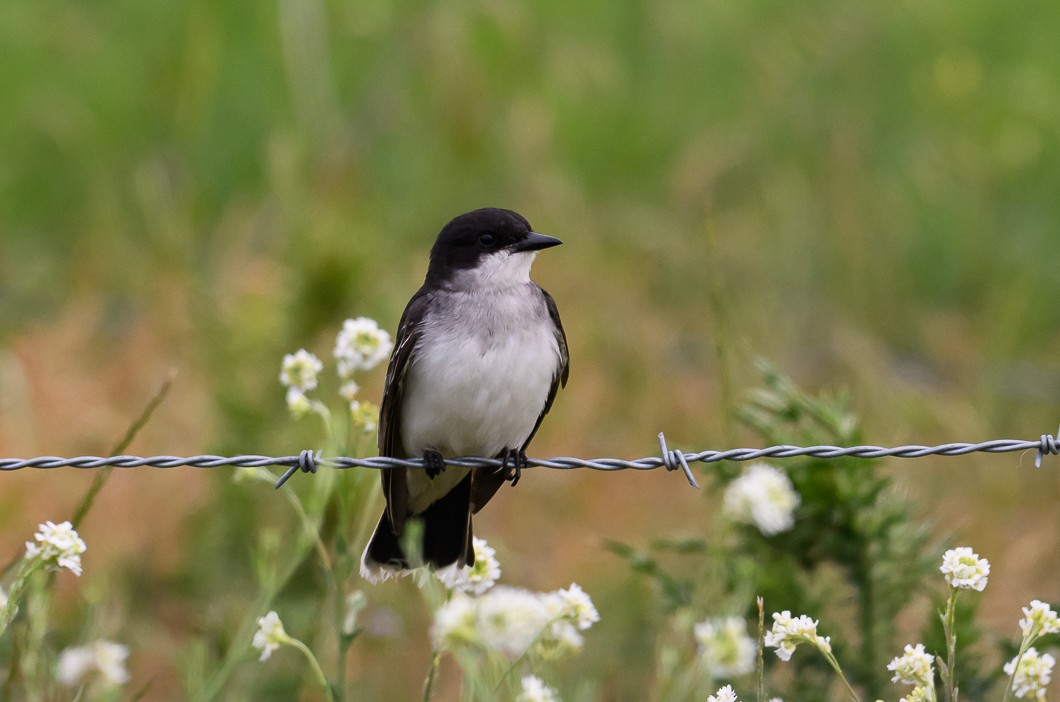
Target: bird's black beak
(536,242)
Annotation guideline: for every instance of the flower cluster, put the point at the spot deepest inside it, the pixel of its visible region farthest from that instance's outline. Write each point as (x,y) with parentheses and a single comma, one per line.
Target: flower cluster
(914,667)
(299,371)
(361,345)
(534,690)
(575,605)
(1031,673)
(1039,619)
(764,497)
(725,648)
(725,694)
(101,662)
(270,635)
(919,694)
(964,569)
(58,546)
(789,632)
(477,579)
(364,415)
(514,621)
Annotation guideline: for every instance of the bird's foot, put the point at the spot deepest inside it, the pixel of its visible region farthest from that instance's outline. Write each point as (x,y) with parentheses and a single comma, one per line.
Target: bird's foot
(518,460)
(433,463)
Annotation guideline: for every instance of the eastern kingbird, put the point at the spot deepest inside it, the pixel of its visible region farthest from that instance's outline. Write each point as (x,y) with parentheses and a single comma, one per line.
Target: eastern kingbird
(479,356)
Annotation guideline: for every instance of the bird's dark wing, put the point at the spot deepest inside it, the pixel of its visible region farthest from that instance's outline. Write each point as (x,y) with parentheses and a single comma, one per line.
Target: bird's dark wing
(486,483)
(408,336)
(560,378)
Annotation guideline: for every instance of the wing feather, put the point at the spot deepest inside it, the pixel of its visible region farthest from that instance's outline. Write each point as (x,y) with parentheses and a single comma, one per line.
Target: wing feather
(395,486)
(562,372)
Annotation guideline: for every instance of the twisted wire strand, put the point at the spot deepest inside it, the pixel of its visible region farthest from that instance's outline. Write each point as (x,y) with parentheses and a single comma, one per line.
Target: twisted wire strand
(308,461)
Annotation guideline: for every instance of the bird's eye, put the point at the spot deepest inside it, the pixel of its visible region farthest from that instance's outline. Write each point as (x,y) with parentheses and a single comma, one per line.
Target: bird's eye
(487,240)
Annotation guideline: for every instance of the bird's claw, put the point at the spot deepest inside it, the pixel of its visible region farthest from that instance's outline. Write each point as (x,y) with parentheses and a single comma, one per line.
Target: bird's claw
(433,463)
(518,460)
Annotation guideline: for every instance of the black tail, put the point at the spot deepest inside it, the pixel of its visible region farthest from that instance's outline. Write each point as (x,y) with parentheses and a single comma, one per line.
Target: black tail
(384,549)
(447,528)
(446,537)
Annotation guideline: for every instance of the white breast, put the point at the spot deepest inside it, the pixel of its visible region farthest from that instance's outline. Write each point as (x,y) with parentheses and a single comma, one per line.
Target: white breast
(480,393)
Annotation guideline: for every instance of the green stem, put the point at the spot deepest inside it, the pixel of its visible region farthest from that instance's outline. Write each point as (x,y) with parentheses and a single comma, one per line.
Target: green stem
(1024,645)
(839,671)
(869,621)
(18,591)
(321,410)
(100,478)
(340,669)
(949,630)
(317,670)
(717,303)
(311,530)
(525,655)
(432,673)
(761,650)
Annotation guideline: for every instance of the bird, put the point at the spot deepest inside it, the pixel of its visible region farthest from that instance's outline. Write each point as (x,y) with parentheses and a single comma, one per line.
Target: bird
(479,356)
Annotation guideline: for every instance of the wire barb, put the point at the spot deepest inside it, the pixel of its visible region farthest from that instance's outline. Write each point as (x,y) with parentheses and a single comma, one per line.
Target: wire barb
(307,463)
(1049,445)
(675,459)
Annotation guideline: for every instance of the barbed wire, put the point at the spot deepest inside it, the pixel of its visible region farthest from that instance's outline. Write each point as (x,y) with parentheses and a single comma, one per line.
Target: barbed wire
(309,461)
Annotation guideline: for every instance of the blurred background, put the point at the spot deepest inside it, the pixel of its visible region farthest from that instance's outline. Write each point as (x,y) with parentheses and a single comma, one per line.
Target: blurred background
(865,194)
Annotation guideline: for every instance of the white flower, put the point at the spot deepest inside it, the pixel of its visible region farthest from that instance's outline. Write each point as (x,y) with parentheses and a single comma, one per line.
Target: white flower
(513,620)
(914,667)
(919,694)
(100,662)
(361,345)
(1031,676)
(299,371)
(569,611)
(762,496)
(788,632)
(455,622)
(270,635)
(725,694)
(349,390)
(725,648)
(965,570)
(559,639)
(478,578)
(297,402)
(775,699)
(3,598)
(59,547)
(560,635)
(579,607)
(1039,619)
(534,690)
(364,415)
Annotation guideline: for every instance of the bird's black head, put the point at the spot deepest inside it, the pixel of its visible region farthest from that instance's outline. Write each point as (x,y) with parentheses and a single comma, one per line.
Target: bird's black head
(497,243)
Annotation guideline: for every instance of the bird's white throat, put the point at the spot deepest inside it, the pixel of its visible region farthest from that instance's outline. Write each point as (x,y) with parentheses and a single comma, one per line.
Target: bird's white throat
(498,270)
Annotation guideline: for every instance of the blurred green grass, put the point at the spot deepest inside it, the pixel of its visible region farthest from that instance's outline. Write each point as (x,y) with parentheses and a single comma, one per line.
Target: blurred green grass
(210,185)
